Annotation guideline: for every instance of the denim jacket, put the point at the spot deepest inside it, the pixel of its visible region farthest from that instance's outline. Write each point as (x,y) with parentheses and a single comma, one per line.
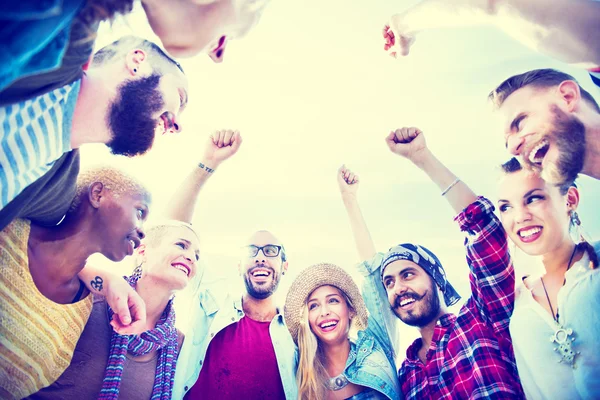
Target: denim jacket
(371,362)
(209,319)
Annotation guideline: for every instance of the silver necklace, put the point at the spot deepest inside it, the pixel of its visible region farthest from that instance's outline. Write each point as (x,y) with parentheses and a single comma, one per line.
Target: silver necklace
(562,337)
(338,382)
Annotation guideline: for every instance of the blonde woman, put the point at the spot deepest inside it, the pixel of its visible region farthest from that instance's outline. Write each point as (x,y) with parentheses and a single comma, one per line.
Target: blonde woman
(323,306)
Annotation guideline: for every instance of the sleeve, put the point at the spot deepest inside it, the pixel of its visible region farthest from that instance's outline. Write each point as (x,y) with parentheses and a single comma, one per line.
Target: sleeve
(492,275)
(383,324)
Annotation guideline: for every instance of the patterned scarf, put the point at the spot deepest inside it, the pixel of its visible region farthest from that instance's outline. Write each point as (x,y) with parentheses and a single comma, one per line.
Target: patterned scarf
(162,338)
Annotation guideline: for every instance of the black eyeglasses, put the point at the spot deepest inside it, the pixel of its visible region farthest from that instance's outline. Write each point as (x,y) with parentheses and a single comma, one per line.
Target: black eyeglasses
(270,250)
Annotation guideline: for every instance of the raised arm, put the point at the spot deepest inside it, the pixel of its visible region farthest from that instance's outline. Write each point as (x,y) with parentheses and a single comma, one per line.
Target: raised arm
(492,274)
(567,30)
(410,144)
(382,322)
(220,146)
(348,184)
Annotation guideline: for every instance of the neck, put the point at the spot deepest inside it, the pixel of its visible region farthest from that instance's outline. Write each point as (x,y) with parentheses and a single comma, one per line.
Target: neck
(262,310)
(556,261)
(90,123)
(49,245)
(156,297)
(591,165)
(336,356)
(427,330)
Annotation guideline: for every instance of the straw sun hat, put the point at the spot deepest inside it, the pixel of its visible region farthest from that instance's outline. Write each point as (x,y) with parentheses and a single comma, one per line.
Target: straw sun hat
(312,278)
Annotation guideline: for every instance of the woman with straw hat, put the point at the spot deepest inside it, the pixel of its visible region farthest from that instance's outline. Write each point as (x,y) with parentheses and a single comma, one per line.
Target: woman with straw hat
(322,307)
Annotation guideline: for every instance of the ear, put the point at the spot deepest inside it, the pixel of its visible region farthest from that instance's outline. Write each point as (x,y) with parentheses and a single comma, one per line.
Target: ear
(95,194)
(570,94)
(284,267)
(135,60)
(572,198)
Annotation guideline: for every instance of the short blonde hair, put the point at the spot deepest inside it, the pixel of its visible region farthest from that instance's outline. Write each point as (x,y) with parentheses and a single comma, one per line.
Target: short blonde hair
(113,179)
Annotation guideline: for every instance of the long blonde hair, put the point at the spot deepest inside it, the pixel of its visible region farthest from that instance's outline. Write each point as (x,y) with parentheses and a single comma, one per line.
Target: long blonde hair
(312,376)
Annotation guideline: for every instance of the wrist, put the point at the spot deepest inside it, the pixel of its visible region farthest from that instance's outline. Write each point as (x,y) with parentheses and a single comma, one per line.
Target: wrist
(348,197)
(208,165)
(423,159)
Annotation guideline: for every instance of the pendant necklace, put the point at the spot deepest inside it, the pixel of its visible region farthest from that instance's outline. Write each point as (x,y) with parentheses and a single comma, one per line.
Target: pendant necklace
(337,383)
(563,337)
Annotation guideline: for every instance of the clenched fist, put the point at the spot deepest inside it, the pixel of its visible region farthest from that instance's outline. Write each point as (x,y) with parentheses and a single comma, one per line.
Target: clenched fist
(408,143)
(398,39)
(347,181)
(220,146)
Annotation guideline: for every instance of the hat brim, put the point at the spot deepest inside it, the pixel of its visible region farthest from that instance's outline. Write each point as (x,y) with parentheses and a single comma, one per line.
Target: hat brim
(312,278)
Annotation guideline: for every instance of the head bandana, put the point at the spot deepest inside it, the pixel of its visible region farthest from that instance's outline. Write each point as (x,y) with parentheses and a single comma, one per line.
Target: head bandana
(426,260)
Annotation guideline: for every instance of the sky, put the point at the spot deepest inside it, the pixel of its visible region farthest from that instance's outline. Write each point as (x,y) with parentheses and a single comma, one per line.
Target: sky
(310,88)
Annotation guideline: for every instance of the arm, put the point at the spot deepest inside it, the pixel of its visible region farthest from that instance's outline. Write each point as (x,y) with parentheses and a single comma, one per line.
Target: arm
(348,184)
(564,29)
(492,275)
(382,322)
(220,146)
(128,306)
(410,143)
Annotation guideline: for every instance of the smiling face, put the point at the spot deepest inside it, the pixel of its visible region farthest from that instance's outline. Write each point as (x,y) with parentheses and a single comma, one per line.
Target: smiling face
(542,130)
(329,314)
(171,258)
(412,293)
(262,272)
(534,213)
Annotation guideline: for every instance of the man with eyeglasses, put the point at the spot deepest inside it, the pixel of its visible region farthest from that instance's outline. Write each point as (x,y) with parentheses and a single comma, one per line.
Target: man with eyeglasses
(239,346)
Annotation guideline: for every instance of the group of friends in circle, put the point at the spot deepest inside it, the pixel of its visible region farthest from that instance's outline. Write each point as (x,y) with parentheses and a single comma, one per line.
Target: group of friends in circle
(72,330)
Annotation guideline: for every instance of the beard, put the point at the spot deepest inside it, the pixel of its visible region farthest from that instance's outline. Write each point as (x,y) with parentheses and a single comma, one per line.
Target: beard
(567,133)
(264,290)
(130,116)
(423,315)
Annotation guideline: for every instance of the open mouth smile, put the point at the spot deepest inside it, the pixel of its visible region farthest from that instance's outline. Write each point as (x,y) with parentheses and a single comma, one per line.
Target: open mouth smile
(328,325)
(538,152)
(182,267)
(530,233)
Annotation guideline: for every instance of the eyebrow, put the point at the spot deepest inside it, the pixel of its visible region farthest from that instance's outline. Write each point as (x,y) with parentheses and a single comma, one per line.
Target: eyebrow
(328,296)
(529,193)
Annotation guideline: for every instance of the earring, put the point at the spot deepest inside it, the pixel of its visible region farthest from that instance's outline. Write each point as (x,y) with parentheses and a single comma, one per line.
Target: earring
(134,70)
(137,274)
(576,222)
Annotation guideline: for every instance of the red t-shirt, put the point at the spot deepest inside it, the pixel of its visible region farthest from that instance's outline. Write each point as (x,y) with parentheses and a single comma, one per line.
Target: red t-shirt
(240,363)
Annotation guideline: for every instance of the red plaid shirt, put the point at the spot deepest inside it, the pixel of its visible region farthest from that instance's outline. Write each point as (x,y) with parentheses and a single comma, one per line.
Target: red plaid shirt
(471,355)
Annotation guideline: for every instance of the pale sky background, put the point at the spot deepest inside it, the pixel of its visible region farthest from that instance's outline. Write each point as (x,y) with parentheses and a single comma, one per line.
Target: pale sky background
(311,88)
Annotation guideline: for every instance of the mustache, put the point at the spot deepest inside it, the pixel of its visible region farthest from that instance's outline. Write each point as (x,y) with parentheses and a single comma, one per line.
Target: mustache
(408,295)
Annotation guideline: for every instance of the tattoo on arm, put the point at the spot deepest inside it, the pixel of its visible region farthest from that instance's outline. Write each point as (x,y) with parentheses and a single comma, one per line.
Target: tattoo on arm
(204,167)
(97,283)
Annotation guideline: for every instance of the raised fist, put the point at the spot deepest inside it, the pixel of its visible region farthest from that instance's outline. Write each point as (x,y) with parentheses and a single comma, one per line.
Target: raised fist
(347,181)
(220,146)
(408,143)
(398,39)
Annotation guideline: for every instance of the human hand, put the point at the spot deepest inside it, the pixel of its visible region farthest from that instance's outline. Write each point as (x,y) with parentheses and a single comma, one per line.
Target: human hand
(220,146)
(129,308)
(398,39)
(347,181)
(408,143)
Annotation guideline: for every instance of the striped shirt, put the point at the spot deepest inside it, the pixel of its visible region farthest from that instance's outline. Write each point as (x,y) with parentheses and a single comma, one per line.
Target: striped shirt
(37,336)
(33,135)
